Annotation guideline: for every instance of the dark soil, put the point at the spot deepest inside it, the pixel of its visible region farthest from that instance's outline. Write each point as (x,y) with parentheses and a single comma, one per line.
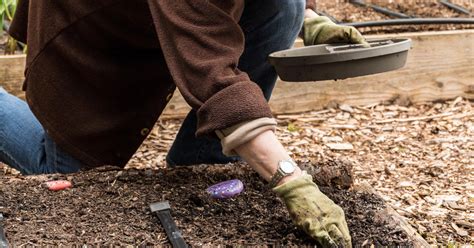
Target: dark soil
(111,207)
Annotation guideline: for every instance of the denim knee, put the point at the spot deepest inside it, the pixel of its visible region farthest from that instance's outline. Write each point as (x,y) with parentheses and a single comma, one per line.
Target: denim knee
(294,10)
(3,95)
(291,16)
(273,18)
(269,26)
(5,103)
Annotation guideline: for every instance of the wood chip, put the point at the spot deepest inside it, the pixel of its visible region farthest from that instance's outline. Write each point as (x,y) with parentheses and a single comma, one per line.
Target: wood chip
(335,139)
(340,146)
(406,184)
(448,198)
(423,118)
(459,231)
(342,126)
(346,108)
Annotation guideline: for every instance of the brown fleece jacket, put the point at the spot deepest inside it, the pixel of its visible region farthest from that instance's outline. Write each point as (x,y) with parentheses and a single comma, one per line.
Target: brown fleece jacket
(100,72)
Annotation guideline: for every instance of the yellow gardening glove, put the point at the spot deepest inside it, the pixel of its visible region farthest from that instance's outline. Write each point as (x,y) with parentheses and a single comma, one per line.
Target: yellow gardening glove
(321,30)
(314,212)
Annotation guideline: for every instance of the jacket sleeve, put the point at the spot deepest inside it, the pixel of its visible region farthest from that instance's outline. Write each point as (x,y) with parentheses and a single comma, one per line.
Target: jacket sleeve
(202,43)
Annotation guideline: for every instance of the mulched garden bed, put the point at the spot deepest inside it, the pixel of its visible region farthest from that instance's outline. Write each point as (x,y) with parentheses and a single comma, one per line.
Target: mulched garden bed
(111,207)
(346,12)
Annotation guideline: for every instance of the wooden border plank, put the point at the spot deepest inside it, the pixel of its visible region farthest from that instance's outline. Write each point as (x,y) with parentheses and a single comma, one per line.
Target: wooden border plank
(440,66)
(11,73)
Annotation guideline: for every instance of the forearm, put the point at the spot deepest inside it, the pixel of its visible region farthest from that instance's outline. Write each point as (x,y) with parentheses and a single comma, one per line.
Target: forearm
(309,13)
(263,154)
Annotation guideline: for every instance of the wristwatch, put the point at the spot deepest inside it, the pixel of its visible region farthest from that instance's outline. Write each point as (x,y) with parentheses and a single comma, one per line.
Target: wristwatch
(285,168)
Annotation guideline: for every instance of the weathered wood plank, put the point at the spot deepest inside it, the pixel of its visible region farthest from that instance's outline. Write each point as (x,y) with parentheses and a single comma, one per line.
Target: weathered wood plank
(11,73)
(440,66)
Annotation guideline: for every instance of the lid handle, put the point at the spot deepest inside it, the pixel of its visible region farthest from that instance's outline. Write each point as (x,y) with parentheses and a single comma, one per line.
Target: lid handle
(339,48)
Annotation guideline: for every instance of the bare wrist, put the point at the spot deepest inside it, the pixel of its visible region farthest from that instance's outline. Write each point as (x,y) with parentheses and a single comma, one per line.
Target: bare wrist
(309,13)
(288,178)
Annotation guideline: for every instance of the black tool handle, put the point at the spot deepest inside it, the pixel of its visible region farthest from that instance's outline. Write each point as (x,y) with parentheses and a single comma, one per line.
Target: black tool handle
(174,235)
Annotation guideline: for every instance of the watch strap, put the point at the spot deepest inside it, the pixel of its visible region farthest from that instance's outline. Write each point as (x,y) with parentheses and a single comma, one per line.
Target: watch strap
(279,174)
(276,178)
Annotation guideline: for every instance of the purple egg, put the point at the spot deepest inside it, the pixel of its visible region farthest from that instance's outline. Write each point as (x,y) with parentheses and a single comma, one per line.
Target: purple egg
(226,189)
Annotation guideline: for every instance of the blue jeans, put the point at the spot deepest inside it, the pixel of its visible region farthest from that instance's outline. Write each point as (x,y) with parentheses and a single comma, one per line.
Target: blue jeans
(24,145)
(269,26)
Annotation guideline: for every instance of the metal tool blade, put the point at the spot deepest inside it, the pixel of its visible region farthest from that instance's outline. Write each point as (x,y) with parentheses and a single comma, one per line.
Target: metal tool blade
(3,238)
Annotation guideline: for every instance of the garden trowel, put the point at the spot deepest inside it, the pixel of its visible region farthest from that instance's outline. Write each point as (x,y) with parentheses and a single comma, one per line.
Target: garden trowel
(162,210)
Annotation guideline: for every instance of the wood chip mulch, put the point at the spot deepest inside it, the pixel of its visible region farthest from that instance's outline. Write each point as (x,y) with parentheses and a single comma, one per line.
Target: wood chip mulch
(345,12)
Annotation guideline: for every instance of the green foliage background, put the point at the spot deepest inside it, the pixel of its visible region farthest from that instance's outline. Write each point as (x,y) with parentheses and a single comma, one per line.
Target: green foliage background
(7,9)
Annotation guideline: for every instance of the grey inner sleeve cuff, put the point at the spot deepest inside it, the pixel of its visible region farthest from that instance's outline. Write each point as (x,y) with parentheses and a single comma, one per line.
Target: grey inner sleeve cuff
(243,132)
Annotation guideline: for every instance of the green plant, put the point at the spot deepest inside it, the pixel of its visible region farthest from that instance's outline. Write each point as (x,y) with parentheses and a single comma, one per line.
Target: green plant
(292,127)
(7,10)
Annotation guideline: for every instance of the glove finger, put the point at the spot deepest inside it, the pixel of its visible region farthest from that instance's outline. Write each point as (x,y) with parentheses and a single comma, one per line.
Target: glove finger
(356,37)
(341,34)
(338,35)
(326,241)
(336,234)
(319,233)
(338,237)
(342,226)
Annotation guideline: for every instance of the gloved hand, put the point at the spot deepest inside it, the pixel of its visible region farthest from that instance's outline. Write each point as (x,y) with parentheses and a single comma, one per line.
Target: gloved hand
(314,212)
(321,30)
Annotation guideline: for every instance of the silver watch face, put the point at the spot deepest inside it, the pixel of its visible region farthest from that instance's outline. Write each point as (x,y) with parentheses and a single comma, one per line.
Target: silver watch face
(287,167)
